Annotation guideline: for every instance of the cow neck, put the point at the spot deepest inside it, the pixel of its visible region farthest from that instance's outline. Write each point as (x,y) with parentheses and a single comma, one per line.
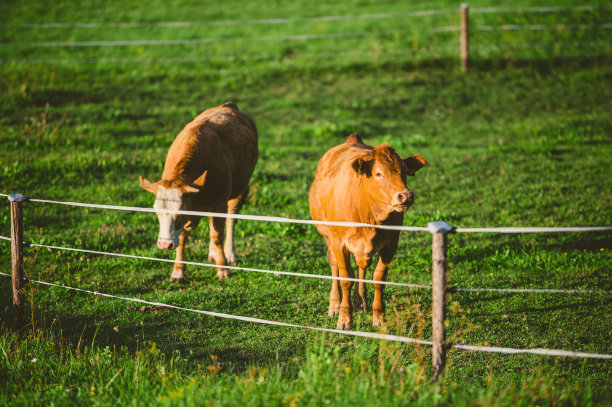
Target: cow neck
(361,204)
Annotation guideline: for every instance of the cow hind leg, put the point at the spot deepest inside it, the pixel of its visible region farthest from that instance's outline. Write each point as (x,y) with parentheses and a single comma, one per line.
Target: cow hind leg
(360,299)
(178,272)
(346,271)
(233,207)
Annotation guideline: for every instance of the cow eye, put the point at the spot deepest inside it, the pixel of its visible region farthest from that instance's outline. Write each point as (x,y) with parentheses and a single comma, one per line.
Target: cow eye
(378,174)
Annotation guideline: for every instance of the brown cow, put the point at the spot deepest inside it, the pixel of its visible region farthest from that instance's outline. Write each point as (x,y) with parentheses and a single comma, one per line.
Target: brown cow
(208,168)
(355,182)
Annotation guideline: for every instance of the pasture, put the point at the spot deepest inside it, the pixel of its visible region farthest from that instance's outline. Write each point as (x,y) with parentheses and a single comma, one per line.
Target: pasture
(523,139)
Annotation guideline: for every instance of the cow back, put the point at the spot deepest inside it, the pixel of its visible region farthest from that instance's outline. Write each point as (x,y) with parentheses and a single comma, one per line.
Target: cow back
(221,140)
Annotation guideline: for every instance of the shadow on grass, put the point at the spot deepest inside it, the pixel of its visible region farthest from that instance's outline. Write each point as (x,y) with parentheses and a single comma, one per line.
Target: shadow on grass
(577,304)
(484,246)
(137,326)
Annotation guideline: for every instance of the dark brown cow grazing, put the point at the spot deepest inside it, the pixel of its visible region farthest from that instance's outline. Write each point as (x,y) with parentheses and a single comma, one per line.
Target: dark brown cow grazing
(355,182)
(208,168)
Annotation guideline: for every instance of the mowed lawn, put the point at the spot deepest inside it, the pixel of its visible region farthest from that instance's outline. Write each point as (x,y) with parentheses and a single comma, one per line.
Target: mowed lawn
(93,101)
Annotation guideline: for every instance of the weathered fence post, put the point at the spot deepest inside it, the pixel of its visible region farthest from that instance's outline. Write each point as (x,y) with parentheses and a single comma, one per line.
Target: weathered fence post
(439,231)
(17,254)
(464,39)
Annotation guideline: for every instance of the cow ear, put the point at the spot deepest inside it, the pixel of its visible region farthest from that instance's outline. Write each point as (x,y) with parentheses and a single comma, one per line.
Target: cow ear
(414,163)
(148,185)
(190,189)
(197,185)
(363,166)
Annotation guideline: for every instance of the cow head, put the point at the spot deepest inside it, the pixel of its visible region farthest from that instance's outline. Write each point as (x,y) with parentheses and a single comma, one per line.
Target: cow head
(384,174)
(173,195)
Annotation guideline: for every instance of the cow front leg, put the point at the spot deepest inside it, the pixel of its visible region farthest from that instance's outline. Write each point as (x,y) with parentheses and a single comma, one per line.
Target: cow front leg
(380,274)
(345,271)
(229,250)
(334,295)
(378,305)
(212,250)
(178,272)
(216,239)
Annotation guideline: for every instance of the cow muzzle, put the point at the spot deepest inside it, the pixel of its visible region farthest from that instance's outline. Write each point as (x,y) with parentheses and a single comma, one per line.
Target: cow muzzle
(403,200)
(165,244)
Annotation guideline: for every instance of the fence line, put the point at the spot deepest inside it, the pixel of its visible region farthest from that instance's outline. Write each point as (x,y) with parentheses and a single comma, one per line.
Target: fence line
(123,43)
(324,277)
(259,57)
(301,37)
(373,335)
(242,318)
(191,263)
(276,21)
(267,57)
(511,230)
(512,27)
(553,9)
(543,45)
(235,216)
(266,21)
(328,223)
(529,290)
(438,229)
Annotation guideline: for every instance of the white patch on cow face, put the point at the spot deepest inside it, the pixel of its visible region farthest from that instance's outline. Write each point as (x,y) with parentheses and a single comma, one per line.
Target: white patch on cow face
(170,199)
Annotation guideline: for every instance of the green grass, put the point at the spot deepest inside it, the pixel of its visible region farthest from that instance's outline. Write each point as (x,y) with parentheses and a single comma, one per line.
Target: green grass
(522,140)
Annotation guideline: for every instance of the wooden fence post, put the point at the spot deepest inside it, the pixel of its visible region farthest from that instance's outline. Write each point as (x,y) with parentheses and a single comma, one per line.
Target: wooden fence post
(464,39)
(17,255)
(439,231)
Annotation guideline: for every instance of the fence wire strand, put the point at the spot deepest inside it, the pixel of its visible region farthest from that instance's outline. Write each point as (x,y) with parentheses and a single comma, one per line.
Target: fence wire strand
(264,21)
(277,21)
(299,37)
(372,335)
(331,54)
(235,216)
(191,263)
(564,229)
(323,277)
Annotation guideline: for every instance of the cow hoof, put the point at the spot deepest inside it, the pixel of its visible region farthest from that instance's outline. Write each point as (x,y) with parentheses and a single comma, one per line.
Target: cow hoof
(360,305)
(345,326)
(332,311)
(230,257)
(223,275)
(211,254)
(378,321)
(177,276)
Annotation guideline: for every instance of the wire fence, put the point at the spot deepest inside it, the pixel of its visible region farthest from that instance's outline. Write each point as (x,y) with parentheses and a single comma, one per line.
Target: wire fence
(416,45)
(302,37)
(276,21)
(371,335)
(318,276)
(505,350)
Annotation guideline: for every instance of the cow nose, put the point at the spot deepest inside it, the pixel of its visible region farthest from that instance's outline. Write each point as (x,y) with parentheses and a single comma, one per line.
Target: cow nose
(165,244)
(405,198)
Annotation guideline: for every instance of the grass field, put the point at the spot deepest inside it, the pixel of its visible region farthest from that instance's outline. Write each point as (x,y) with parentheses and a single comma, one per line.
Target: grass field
(523,139)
